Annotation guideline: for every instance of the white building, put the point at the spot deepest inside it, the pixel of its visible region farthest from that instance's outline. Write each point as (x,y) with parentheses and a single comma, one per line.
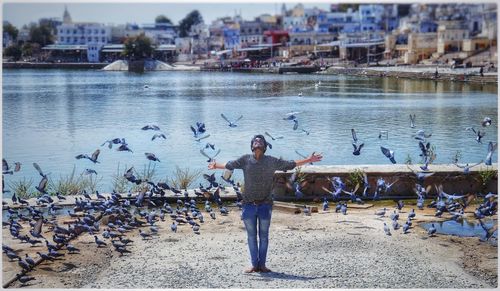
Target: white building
(92,35)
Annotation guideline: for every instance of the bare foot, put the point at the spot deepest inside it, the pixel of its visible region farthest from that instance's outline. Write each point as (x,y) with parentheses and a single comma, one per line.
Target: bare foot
(265,269)
(251,270)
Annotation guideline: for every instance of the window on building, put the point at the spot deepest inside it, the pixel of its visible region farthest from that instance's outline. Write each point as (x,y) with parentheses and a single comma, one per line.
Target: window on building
(103,39)
(61,39)
(103,31)
(74,31)
(89,39)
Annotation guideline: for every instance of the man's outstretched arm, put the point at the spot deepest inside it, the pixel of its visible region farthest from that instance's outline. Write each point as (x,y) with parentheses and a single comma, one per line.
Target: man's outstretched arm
(314,157)
(213,165)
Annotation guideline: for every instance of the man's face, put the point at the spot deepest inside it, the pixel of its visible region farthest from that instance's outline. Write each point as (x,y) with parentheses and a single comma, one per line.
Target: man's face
(258,143)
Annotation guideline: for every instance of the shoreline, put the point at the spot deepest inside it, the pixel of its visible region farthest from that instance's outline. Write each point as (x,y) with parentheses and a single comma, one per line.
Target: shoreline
(405,72)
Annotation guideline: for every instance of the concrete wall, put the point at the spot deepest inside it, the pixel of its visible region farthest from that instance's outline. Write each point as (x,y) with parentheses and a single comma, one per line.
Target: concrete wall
(450,176)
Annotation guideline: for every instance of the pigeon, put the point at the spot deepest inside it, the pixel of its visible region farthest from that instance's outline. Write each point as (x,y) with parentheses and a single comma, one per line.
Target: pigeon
(210,145)
(381,212)
(92,158)
(231,123)
(37,167)
(114,141)
(388,153)
(150,127)
(395,225)
(491,149)
(272,137)
(421,135)
(387,230)
(124,148)
(412,121)
(406,227)
(210,158)
(479,134)
(173,227)
(432,230)
(8,170)
(489,231)
(357,149)
(89,172)
(486,122)
(412,214)
(291,116)
(354,136)
(99,242)
(343,209)
(151,157)
(303,156)
(158,135)
(307,211)
(425,148)
(295,124)
(467,167)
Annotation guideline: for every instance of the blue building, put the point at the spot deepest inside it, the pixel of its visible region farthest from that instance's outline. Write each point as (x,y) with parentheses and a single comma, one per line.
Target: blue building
(370,17)
(231,37)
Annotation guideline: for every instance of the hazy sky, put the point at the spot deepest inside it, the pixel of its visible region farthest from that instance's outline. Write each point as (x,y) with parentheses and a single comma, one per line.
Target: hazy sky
(122,12)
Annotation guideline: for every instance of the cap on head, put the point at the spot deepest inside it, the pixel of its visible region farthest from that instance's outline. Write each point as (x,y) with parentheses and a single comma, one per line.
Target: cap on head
(258,141)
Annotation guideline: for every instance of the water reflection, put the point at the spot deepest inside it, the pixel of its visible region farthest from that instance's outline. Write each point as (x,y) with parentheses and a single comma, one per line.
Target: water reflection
(462,227)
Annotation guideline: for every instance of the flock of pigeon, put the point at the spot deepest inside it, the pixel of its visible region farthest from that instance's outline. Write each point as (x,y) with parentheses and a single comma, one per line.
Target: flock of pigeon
(108,219)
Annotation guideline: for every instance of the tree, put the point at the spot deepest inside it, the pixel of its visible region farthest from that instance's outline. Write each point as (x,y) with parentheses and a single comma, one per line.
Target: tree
(41,34)
(29,49)
(13,51)
(193,18)
(11,30)
(138,47)
(162,19)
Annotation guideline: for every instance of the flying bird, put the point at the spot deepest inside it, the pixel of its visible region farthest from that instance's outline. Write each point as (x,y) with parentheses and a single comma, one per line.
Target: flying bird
(491,149)
(114,141)
(357,149)
(158,135)
(388,153)
(89,172)
(210,158)
(231,123)
(92,158)
(486,122)
(412,121)
(479,134)
(151,157)
(150,127)
(272,137)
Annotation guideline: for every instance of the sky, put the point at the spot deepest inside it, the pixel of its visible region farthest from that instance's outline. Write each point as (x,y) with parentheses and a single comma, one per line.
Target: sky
(115,12)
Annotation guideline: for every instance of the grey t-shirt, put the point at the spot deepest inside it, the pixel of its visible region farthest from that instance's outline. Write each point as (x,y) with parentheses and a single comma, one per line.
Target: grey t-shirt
(258,175)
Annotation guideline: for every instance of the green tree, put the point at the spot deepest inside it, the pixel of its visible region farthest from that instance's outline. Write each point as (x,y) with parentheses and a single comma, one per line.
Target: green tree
(138,47)
(29,49)
(13,51)
(194,17)
(11,30)
(162,19)
(41,34)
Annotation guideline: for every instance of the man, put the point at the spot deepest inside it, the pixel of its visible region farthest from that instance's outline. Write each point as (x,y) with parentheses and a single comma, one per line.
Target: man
(258,171)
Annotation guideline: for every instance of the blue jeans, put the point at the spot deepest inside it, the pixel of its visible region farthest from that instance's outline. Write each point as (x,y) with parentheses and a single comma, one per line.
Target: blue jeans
(251,216)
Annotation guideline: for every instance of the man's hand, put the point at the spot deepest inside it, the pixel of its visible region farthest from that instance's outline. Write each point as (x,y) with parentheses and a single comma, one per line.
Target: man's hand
(211,165)
(315,157)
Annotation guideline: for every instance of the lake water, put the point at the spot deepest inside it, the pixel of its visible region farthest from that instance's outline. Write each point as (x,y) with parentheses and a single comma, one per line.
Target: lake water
(50,116)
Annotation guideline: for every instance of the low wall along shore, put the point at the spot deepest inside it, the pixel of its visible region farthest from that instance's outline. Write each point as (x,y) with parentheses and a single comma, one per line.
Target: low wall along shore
(452,178)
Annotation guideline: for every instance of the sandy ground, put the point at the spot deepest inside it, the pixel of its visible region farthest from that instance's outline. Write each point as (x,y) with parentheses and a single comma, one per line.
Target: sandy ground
(325,250)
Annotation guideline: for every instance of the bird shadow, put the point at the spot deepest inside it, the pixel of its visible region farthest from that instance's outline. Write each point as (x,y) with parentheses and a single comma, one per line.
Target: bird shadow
(68,267)
(285,276)
(48,269)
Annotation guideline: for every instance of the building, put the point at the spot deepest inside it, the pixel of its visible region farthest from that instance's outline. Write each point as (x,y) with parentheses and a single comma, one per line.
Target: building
(370,17)
(338,22)
(89,37)
(451,34)
(251,33)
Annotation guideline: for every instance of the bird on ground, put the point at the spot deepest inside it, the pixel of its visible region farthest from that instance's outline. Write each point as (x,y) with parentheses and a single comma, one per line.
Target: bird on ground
(412,214)
(210,158)
(92,158)
(45,256)
(491,149)
(395,225)
(306,210)
(394,215)
(158,135)
(381,212)
(24,265)
(343,209)
(406,227)
(387,230)
(325,205)
(231,123)
(173,227)
(479,134)
(400,204)
(388,153)
(486,122)
(432,230)
(36,231)
(144,234)
(99,242)
(151,157)
(150,127)
(412,120)
(272,137)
